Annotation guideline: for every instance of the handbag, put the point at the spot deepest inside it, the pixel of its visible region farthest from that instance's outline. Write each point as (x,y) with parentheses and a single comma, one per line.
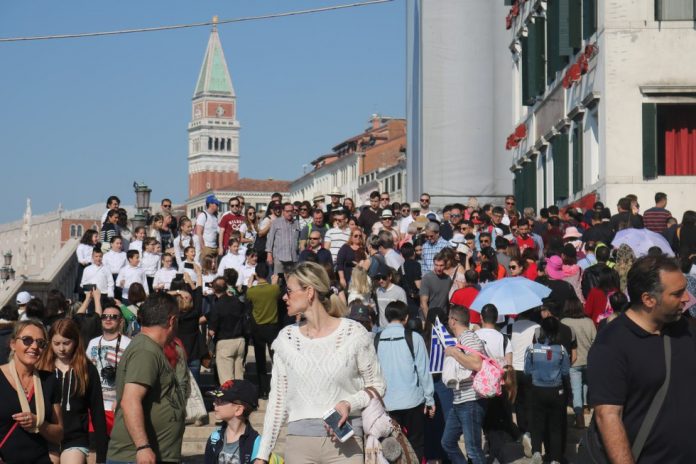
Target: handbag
(195,406)
(591,449)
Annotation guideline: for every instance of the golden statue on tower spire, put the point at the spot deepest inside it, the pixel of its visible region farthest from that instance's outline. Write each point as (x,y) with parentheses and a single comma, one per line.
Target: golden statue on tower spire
(215,22)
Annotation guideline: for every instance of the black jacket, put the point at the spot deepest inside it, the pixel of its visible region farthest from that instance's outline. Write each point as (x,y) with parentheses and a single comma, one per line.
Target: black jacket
(216,441)
(226,318)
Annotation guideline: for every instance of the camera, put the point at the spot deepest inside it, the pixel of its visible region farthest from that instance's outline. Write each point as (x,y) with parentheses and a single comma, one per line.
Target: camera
(108,373)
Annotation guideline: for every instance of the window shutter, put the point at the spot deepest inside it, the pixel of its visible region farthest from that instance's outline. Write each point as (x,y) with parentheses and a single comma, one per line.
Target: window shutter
(564,46)
(577,158)
(526,65)
(560,167)
(517,186)
(649,140)
(508,2)
(530,187)
(575,24)
(552,42)
(544,180)
(589,18)
(540,56)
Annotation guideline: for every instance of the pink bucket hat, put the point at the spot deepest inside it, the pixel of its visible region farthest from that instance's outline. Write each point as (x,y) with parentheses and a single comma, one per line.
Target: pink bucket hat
(554,267)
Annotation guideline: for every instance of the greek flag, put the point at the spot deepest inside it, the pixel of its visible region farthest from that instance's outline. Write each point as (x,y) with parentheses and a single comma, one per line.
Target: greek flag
(439,340)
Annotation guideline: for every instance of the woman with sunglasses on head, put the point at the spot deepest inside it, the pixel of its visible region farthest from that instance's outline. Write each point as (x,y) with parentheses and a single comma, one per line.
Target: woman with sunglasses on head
(250,227)
(80,394)
(30,413)
(323,362)
(349,255)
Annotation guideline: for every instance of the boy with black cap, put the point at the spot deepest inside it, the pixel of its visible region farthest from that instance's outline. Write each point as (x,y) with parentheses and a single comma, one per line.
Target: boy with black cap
(235,441)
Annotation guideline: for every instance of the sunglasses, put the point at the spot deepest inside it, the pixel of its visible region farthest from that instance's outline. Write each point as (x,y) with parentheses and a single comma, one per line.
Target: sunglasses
(513,268)
(110,317)
(455,215)
(424,200)
(509,202)
(380,277)
(235,205)
(28,340)
(315,238)
(166,206)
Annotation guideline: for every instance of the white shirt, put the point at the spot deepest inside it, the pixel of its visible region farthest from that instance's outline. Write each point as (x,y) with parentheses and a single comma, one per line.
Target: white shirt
(393,259)
(84,253)
(210,228)
(99,276)
(184,241)
(208,278)
(114,261)
(130,275)
(245,273)
(105,357)
(150,262)
(136,245)
(191,272)
(495,345)
(522,338)
(336,238)
(164,276)
(404,223)
(247,234)
(231,261)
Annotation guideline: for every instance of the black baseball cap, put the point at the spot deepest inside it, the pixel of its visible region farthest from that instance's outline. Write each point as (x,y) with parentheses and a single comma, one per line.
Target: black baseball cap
(238,390)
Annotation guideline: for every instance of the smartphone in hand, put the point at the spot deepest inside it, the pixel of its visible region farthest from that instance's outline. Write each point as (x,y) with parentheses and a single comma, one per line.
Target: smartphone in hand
(344,432)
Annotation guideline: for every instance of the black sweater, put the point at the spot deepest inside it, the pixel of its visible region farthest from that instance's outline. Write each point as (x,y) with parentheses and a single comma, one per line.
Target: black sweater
(77,408)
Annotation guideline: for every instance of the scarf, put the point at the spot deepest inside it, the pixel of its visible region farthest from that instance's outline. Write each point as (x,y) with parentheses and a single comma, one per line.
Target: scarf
(38,396)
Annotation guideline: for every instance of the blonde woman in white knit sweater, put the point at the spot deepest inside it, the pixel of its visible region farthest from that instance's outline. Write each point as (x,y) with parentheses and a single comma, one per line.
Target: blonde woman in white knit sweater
(323,362)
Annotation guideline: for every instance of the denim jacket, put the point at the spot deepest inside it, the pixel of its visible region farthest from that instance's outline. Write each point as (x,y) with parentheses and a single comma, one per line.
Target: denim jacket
(547,364)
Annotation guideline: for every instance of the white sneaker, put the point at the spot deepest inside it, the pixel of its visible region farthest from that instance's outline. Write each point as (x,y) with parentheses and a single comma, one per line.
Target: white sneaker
(527,444)
(537,459)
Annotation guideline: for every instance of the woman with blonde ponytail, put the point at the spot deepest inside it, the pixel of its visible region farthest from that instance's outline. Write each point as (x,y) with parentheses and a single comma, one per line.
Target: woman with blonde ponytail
(325,361)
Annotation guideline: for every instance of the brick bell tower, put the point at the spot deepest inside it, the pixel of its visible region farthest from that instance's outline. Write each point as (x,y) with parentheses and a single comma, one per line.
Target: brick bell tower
(213,159)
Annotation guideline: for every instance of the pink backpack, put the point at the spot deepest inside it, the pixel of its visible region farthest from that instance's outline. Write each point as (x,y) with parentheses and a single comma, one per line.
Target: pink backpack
(488,381)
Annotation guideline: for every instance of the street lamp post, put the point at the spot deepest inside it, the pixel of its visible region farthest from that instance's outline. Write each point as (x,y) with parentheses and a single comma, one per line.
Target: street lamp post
(142,204)
(6,271)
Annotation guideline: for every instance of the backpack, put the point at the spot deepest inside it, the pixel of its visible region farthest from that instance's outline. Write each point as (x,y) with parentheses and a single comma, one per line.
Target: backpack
(488,381)
(408,336)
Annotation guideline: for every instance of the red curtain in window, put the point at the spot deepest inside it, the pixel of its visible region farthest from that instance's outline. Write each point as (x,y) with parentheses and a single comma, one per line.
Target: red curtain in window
(680,140)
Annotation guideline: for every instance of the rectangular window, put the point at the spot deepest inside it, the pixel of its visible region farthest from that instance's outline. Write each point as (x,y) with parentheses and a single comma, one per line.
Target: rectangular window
(674,132)
(578,165)
(589,18)
(675,10)
(557,47)
(534,61)
(544,179)
(575,24)
(559,146)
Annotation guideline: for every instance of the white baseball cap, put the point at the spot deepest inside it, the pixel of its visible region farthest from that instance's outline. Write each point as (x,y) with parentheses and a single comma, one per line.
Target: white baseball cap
(24,298)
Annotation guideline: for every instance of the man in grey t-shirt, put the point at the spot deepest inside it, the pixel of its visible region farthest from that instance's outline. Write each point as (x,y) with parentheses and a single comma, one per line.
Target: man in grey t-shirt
(435,286)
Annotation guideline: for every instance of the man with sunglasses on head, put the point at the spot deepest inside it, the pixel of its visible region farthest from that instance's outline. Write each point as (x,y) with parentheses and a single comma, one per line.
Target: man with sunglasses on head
(105,353)
(230,221)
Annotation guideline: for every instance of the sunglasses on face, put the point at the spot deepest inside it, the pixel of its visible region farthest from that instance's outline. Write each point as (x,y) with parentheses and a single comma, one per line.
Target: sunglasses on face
(380,277)
(166,206)
(513,268)
(28,340)
(405,210)
(424,200)
(236,205)
(315,238)
(110,317)
(509,202)
(455,215)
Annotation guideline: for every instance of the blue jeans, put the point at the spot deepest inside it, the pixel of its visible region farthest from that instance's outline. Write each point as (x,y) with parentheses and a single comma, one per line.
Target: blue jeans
(578,383)
(195,366)
(445,396)
(466,418)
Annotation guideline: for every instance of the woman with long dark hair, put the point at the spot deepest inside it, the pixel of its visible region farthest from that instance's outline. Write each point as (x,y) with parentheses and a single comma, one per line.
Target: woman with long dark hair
(349,255)
(30,412)
(81,394)
(597,306)
(686,236)
(249,229)
(89,240)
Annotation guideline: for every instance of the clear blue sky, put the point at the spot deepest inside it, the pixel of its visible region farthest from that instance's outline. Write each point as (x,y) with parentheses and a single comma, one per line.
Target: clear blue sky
(83,118)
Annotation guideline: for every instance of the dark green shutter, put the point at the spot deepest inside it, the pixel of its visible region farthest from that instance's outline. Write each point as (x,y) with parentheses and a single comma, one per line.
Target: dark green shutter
(524,41)
(564,47)
(544,179)
(649,140)
(530,187)
(540,56)
(589,18)
(560,167)
(508,2)
(577,158)
(552,42)
(575,24)
(517,184)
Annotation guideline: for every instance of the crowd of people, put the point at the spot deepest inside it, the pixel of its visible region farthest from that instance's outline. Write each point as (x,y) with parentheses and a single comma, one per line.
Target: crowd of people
(346,301)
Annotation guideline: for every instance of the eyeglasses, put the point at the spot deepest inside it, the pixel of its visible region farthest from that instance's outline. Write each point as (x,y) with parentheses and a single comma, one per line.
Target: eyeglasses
(304,209)
(509,202)
(315,238)
(235,205)
(455,215)
(380,277)
(513,268)
(484,240)
(357,236)
(28,340)
(405,210)
(425,200)
(166,206)
(110,317)
(251,213)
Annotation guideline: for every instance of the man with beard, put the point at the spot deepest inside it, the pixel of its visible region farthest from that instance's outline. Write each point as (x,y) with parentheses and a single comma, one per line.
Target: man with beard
(646,347)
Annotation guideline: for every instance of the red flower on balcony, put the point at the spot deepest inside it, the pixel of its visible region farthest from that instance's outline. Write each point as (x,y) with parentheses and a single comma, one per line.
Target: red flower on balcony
(521,131)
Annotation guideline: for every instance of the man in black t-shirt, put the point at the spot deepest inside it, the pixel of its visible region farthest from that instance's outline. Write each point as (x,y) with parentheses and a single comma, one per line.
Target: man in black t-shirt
(626,368)
(370,214)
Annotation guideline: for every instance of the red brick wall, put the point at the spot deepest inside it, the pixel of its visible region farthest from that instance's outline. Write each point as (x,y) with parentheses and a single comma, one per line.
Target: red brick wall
(228,107)
(198,182)
(85,223)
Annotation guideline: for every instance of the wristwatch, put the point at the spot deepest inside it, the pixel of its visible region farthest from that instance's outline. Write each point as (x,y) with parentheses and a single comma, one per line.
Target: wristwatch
(145,446)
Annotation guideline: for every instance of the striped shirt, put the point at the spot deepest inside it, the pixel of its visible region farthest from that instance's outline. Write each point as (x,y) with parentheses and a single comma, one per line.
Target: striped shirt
(655,219)
(283,239)
(466,392)
(336,238)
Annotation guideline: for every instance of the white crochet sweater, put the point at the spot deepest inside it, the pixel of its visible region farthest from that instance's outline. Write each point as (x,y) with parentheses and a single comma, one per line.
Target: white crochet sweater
(311,375)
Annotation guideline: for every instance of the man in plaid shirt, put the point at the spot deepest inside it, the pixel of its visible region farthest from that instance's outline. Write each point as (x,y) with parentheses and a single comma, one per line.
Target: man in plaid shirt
(433,244)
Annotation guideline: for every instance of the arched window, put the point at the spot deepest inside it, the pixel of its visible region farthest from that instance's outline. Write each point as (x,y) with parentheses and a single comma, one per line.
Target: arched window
(73,230)
(79,230)
(217,143)
(229,144)
(210,143)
